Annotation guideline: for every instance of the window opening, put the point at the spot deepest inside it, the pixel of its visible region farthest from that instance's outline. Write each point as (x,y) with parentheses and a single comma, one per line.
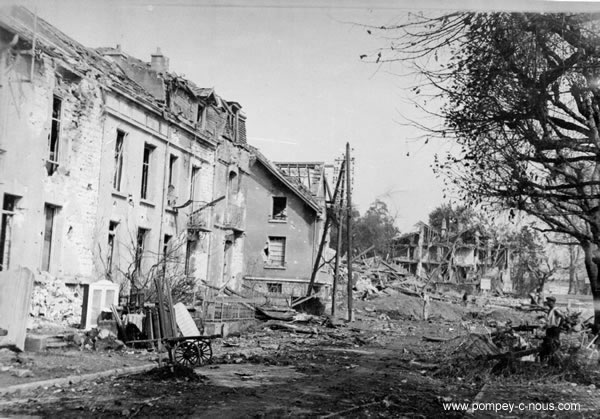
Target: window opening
(189,250)
(172,167)
(118,160)
(276,251)
(279,208)
(194,182)
(274,288)
(112,232)
(166,241)
(146,170)
(49,217)
(140,246)
(54,136)
(201,117)
(8,211)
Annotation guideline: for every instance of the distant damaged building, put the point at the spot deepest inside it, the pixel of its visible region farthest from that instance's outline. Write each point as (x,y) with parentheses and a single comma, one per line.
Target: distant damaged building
(465,256)
(112,167)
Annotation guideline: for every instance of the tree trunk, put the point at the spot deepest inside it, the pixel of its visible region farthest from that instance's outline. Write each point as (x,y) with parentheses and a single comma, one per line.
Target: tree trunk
(592,260)
(573,285)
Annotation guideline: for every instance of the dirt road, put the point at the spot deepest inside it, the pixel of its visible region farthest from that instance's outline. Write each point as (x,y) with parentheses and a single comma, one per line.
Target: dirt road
(380,368)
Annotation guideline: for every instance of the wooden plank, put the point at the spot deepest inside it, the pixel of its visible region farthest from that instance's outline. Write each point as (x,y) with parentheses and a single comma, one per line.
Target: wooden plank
(184,320)
(16,287)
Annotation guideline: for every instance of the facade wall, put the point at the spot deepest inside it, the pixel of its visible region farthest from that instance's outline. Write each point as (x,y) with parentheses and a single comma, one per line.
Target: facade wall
(96,225)
(156,212)
(229,216)
(25,125)
(300,229)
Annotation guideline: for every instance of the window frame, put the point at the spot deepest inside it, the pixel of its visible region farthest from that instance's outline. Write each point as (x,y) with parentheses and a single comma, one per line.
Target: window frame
(274,285)
(194,177)
(6,227)
(53,152)
(47,255)
(276,263)
(140,246)
(119,160)
(283,213)
(112,236)
(146,171)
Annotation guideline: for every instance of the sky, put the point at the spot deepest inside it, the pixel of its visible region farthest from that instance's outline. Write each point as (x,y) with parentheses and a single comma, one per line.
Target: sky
(294,67)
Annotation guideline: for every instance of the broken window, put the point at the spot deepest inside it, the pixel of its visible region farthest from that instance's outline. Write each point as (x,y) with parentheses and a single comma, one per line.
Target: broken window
(112,232)
(54,136)
(274,288)
(172,191)
(118,160)
(142,233)
(279,208)
(148,149)
(49,216)
(276,252)
(8,211)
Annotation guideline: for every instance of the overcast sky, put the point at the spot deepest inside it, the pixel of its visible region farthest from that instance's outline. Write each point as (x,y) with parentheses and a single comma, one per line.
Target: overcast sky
(294,66)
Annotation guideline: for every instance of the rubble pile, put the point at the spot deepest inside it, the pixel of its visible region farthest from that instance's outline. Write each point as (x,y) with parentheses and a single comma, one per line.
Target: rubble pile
(53,300)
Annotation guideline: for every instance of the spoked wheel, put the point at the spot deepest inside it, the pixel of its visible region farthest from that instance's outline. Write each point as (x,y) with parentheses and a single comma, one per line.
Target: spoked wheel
(186,353)
(204,351)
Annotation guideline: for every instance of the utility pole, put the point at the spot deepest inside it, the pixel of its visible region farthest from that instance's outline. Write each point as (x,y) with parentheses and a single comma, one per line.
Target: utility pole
(338,250)
(349,229)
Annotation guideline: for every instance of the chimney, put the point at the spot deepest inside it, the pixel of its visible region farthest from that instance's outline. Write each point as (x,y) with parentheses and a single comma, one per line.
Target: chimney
(113,52)
(158,62)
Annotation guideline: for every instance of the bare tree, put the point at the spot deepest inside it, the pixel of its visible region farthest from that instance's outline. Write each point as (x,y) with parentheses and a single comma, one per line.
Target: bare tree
(168,270)
(521,97)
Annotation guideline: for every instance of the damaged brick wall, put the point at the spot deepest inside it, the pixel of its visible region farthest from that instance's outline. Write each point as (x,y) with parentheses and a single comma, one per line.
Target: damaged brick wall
(72,188)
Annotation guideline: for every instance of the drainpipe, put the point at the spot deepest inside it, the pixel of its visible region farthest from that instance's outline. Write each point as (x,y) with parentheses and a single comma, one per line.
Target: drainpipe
(209,259)
(163,197)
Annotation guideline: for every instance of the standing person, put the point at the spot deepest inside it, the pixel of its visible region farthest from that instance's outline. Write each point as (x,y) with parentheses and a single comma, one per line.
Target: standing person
(551,342)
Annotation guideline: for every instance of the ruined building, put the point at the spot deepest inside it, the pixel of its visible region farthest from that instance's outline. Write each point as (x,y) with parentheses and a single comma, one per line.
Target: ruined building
(112,167)
(463,257)
(285,217)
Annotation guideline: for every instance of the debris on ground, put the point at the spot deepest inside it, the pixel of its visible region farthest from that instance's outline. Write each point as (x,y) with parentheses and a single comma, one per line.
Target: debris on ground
(172,372)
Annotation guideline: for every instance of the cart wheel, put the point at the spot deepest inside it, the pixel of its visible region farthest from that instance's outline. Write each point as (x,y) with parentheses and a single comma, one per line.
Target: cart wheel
(186,353)
(205,351)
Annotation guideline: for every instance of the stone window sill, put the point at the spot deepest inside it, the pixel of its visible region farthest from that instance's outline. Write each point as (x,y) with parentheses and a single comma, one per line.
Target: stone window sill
(281,268)
(119,194)
(278,221)
(147,203)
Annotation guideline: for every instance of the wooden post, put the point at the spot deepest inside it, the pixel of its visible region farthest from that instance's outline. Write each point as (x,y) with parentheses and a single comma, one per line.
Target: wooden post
(317,264)
(349,229)
(338,250)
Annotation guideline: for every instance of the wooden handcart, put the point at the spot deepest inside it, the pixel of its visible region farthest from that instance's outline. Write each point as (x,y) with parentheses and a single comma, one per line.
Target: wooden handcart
(187,347)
